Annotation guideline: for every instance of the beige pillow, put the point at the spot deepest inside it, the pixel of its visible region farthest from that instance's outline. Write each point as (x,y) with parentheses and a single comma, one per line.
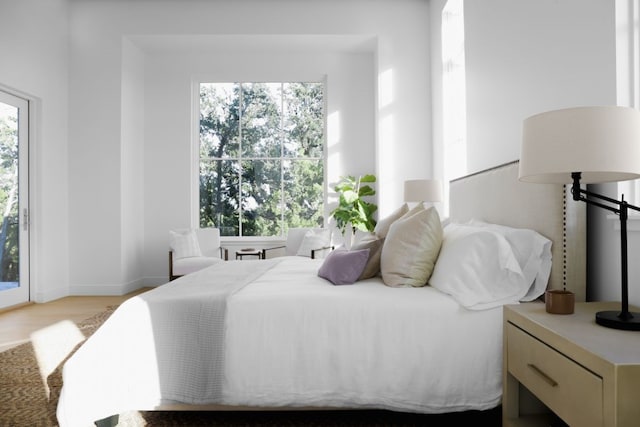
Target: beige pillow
(374,244)
(411,249)
(382,226)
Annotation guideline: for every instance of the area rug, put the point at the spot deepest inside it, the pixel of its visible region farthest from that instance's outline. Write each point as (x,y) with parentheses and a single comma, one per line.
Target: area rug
(24,402)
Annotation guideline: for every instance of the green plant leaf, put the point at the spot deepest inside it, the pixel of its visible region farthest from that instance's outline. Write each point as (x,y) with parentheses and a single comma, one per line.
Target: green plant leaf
(352,210)
(350,196)
(365,190)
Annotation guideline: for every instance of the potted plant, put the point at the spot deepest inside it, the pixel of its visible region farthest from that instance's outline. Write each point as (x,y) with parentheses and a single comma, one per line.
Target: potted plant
(353,212)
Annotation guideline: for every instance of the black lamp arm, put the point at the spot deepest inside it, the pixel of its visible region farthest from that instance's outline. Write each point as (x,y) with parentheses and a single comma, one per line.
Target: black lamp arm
(586,196)
(624,319)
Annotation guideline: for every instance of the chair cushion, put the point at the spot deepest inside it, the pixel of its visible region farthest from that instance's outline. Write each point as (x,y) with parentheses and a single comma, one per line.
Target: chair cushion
(294,239)
(184,244)
(314,239)
(209,240)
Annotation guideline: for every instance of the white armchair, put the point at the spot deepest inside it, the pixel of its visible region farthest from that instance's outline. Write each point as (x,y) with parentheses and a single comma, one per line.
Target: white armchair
(309,242)
(194,249)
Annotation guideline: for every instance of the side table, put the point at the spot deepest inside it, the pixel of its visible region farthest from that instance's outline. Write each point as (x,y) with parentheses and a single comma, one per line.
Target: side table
(248,252)
(586,374)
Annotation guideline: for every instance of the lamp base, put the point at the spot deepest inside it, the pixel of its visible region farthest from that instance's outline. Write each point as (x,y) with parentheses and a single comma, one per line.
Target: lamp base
(612,319)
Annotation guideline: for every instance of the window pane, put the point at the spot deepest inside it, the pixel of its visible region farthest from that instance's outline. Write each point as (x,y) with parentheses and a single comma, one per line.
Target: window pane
(9,261)
(261,198)
(303,119)
(219,119)
(219,184)
(261,119)
(303,186)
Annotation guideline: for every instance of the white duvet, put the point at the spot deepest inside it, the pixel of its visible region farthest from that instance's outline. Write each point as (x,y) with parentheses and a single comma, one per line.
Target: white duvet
(291,339)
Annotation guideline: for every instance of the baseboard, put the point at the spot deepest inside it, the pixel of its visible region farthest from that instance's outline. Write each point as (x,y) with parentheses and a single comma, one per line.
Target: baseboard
(106,289)
(49,295)
(155,281)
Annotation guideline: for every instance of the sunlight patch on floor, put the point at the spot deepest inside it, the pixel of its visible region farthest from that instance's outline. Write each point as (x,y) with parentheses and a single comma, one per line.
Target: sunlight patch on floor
(52,345)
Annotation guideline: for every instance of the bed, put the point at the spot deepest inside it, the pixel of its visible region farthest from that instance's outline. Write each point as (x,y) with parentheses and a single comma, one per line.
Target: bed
(273,334)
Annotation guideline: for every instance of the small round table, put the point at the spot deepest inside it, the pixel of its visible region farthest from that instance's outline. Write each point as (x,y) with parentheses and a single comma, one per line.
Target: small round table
(248,252)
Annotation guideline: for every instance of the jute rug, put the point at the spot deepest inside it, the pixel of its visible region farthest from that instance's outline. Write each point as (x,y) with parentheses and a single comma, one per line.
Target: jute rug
(24,402)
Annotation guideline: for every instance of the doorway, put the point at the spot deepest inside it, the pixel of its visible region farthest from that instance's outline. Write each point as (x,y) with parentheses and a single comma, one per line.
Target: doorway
(14,197)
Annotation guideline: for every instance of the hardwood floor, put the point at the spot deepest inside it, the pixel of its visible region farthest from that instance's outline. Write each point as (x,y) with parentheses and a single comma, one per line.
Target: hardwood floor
(17,325)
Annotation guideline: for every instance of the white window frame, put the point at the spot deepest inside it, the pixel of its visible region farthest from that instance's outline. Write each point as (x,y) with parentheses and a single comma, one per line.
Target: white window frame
(195,152)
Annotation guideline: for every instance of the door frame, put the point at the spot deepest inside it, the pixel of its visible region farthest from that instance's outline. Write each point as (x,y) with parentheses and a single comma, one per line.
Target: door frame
(23,293)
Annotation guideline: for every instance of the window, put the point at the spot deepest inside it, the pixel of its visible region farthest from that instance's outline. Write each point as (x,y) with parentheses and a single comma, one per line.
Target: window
(261,157)
(453,94)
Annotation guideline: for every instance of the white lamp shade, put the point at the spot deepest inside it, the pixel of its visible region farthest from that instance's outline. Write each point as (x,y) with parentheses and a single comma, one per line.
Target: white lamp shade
(422,190)
(603,143)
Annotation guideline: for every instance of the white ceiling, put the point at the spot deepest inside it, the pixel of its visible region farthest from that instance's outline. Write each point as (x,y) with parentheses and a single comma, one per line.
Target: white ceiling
(290,43)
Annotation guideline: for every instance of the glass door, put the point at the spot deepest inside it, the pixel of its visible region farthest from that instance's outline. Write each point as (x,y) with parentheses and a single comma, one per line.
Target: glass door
(14,223)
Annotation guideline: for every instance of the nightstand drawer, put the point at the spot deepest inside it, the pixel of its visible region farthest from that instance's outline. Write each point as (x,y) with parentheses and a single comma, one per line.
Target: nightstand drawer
(568,389)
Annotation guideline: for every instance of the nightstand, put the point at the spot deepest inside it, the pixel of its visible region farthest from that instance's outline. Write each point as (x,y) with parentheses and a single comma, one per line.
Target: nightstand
(584,373)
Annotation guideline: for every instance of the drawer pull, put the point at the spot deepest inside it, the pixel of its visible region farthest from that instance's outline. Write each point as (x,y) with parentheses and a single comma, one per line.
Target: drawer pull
(544,376)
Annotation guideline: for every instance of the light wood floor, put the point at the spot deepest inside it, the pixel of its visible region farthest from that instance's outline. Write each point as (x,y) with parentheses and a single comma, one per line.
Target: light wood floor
(17,325)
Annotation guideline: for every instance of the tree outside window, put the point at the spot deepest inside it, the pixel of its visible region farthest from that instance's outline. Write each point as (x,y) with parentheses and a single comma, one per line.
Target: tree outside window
(261,157)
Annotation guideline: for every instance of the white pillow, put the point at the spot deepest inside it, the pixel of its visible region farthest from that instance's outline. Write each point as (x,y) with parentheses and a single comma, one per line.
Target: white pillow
(382,227)
(477,267)
(314,239)
(184,245)
(533,252)
(411,248)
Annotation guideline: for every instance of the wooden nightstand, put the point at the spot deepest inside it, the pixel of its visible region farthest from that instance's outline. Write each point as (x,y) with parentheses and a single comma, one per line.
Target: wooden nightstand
(586,374)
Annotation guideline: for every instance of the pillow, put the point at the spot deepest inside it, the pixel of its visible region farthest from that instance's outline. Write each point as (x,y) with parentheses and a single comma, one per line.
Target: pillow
(477,267)
(343,267)
(411,249)
(533,253)
(414,210)
(374,244)
(314,239)
(382,227)
(184,245)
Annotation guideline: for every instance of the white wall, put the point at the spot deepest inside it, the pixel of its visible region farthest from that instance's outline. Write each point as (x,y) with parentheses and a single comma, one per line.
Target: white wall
(34,49)
(526,57)
(104,248)
(133,165)
(170,172)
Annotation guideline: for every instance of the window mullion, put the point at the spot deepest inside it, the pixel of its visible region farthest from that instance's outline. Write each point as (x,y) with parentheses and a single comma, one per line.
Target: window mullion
(283,199)
(240,159)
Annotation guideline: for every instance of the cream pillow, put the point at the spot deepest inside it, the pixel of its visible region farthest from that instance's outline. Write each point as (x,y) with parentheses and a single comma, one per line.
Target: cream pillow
(411,248)
(382,227)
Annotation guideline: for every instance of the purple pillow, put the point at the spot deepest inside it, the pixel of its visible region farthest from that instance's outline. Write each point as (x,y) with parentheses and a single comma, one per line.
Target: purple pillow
(343,267)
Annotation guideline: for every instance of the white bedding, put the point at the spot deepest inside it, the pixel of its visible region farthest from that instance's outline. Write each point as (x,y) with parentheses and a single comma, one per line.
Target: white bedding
(291,339)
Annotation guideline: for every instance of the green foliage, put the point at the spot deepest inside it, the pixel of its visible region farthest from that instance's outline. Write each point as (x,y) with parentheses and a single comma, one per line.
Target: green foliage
(352,209)
(261,157)
(9,229)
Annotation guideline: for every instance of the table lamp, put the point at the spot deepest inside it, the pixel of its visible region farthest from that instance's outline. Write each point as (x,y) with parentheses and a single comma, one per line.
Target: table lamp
(422,190)
(588,145)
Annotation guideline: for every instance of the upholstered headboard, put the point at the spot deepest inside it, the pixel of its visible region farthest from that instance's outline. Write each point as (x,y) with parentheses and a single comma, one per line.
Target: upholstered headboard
(496,196)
